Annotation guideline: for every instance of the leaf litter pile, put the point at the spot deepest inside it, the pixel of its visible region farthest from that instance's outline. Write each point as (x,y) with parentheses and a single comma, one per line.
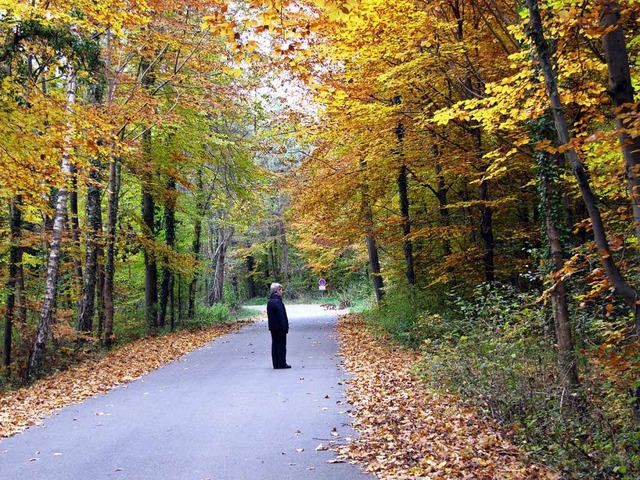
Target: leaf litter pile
(406,431)
(29,405)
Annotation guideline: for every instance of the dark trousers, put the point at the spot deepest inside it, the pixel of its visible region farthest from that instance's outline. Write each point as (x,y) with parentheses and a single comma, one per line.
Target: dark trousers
(279,348)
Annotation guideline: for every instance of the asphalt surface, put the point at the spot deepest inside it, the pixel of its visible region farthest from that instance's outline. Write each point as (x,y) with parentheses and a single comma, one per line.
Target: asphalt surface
(221,412)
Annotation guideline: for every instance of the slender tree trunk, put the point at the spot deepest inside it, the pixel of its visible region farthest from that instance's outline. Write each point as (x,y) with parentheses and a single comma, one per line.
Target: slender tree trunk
(551,199)
(372,248)
(194,281)
(36,356)
(181,315)
(251,284)
(282,231)
(615,277)
(407,246)
(148,215)
(443,207)
(564,336)
(166,286)
(15,259)
(622,96)
(272,259)
(197,244)
(110,254)
(219,257)
(486,232)
(94,230)
(150,265)
(112,219)
(75,235)
(403,196)
(100,283)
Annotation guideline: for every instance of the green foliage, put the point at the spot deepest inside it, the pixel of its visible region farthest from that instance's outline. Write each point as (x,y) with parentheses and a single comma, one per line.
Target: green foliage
(403,316)
(205,316)
(129,325)
(494,350)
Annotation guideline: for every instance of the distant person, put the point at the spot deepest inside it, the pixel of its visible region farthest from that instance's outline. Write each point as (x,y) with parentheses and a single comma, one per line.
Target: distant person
(278,326)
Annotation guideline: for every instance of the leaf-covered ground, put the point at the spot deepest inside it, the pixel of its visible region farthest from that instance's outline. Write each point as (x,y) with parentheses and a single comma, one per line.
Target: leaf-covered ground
(29,405)
(408,432)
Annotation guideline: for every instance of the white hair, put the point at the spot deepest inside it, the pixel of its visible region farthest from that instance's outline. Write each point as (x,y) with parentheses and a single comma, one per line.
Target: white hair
(275,287)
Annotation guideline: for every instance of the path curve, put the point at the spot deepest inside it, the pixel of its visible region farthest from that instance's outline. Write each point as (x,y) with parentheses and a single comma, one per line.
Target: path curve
(220,412)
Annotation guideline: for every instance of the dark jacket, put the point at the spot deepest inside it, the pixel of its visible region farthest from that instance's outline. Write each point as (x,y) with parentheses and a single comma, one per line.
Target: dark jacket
(276,314)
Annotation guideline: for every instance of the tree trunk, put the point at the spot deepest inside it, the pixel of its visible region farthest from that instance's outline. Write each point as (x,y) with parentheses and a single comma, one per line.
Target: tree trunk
(272,259)
(110,263)
(286,274)
(75,235)
(15,259)
(87,305)
(615,277)
(112,219)
(194,281)
(147,80)
(219,257)
(251,284)
(372,248)
(486,232)
(403,198)
(150,266)
(170,235)
(443,207)
(36,356)
(564,336)
(197,242)
(407,246)
(552,204)
(622,96)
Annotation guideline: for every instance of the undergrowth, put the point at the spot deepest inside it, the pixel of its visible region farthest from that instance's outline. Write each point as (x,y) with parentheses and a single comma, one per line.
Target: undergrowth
(496,349)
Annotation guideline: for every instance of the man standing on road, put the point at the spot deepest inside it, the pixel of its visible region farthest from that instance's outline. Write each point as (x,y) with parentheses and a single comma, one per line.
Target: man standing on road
(278,326)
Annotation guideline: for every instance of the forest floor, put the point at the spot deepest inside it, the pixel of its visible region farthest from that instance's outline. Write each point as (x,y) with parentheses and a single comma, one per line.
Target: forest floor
(409,432)
(404,431)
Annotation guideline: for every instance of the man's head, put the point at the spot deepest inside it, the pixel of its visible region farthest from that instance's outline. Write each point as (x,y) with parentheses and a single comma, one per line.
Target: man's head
(276,288)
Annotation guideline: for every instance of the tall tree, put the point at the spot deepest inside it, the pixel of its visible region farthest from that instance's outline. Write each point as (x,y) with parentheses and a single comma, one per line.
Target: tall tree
(622,286)
(36,356)
(13,281)
(622,95)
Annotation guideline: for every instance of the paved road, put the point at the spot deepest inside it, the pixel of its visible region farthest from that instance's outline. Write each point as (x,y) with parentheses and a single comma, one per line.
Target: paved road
(219,413)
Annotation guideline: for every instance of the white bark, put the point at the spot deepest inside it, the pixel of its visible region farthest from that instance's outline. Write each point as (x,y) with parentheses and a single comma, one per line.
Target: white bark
(48,304)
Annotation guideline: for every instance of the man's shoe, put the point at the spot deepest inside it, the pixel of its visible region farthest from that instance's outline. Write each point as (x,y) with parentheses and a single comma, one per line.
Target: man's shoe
(287,366)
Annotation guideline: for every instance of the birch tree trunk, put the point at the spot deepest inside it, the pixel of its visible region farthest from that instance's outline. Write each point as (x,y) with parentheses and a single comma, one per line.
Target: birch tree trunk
(219,258)
(36,356)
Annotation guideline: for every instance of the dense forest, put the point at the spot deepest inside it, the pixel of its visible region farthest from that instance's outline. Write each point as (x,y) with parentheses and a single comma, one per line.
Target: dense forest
(468,168)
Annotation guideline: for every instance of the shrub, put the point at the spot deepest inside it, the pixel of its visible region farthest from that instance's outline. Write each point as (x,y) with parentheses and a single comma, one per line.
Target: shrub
(496,350)
(208,315)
